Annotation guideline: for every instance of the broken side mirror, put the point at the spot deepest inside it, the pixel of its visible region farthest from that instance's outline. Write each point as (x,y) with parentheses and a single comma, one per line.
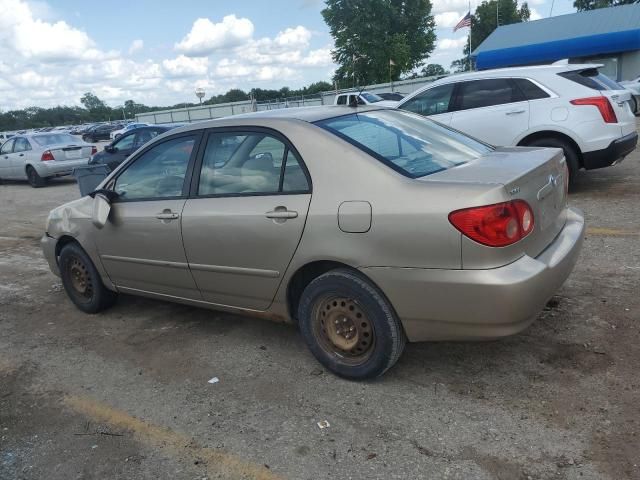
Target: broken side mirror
(101,206)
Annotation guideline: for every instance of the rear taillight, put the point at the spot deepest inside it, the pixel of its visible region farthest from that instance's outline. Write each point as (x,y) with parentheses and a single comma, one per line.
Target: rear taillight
(602,104)
(47,156)
(495,225)
(94,149)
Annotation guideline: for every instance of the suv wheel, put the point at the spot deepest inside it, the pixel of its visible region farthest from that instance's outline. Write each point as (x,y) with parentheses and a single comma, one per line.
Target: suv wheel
(35,180)
(82,281)
(570,153)
(349,326)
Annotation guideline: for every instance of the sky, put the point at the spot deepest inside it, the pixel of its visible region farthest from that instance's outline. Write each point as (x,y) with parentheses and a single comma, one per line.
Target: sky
(158,52)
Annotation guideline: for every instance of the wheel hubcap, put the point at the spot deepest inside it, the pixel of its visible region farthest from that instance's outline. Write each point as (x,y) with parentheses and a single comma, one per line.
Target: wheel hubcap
(80,279)
(343,329)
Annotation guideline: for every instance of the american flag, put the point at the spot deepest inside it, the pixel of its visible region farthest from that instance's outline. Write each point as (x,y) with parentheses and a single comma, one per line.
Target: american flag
(465,22)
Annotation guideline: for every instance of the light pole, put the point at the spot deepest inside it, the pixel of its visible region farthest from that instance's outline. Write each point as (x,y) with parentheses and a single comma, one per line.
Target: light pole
(200,94)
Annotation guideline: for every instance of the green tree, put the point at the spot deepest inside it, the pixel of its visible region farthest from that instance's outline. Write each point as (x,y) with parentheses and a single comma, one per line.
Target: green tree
(582,5)
(376,39)
(433,70)
(488,15)
(92,102)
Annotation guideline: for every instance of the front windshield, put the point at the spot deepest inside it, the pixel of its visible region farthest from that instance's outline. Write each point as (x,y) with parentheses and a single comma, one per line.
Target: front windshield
(55,139)
(408,143)
(371,97)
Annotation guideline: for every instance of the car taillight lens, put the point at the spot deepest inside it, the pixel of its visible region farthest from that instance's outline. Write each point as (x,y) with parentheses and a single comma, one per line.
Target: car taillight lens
(495,225)
(603,105)
(94,150)
(47,156)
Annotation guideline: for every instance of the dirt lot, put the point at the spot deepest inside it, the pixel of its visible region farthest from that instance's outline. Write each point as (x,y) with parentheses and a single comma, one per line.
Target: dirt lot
(125,394)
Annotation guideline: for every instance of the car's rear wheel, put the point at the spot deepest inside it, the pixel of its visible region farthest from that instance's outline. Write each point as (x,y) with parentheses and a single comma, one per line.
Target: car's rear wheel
(82,281)
(634,105)
(34,179)
(349,325)
(570,154)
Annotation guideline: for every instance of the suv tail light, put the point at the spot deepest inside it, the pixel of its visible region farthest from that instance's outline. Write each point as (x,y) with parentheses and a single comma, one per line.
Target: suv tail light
(603,105)
(495,225)
(47,156)
(94,149)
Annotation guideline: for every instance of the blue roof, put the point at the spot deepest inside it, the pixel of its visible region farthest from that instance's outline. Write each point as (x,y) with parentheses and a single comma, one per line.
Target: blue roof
(595,32)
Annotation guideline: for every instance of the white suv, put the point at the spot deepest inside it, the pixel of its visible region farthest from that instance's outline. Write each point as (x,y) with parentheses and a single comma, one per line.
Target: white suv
(573,107)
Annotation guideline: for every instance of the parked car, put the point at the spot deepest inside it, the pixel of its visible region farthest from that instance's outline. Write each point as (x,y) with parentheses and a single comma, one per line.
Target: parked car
(573,107)
(118,150)
(634,87)
(441,237)
(99,132)
(40,156)
(393,96)
(363,98)
(118,133)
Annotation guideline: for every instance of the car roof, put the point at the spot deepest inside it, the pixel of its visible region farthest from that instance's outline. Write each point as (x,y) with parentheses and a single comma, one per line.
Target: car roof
(516,71)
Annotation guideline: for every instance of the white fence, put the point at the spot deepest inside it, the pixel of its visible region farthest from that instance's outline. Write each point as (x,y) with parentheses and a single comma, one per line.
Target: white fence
(207,112)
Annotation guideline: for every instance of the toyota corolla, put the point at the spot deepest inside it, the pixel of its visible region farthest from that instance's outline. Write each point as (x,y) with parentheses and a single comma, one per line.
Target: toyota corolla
(366,227)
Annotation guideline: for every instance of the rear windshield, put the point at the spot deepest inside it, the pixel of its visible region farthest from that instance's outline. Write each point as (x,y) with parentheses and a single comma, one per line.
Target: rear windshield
(54,139)
(591,78)
(410,144)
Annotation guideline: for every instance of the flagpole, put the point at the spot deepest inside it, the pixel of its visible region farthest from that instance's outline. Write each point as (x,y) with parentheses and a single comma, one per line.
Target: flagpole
(470,27)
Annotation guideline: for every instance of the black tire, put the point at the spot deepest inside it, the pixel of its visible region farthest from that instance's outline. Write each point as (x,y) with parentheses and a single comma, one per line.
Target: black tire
(376,328)
(35,180)
(82,281)
(570,153)
(634,105)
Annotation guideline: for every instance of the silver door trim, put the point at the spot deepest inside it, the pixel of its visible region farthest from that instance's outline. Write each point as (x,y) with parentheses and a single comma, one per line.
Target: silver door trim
(254,272)
(144,261)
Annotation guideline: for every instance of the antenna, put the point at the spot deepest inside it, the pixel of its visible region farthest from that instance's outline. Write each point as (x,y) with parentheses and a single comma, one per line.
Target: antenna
(354,101)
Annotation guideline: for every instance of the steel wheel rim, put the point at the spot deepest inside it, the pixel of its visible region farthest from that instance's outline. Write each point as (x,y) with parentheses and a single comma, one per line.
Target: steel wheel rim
(80,278)
(343,329)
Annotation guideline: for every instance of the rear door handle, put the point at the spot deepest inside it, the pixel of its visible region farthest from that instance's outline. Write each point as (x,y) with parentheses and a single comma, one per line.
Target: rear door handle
(515,112)
(282,214)
(167,216)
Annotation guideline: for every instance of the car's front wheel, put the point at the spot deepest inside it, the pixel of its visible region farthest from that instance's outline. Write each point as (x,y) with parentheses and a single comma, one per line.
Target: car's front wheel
(82,281)
(349,325)
(34,179)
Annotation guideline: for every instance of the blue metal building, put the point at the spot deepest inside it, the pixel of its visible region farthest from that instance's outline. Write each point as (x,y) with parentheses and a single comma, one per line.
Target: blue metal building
(610,36)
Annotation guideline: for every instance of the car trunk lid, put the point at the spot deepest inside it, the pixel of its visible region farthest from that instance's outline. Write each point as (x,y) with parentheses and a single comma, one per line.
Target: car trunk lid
(62,153)
(535,175)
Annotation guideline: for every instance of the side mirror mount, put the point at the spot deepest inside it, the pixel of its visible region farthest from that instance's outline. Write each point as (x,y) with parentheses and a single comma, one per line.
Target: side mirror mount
(111,149)
(101,206)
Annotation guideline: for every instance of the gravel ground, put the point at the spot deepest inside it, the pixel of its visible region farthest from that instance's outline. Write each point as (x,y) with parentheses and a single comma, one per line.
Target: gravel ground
(125,394)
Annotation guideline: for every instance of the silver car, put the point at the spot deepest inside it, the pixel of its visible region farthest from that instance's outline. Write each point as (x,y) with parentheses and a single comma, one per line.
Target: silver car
(39,156)
(365,227)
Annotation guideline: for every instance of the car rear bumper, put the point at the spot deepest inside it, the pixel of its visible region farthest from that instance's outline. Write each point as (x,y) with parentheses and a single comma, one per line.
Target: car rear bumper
(436,304)
(59,168)
(616,151)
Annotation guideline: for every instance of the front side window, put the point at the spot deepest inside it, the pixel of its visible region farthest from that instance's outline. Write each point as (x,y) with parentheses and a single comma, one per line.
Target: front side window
(411,145)
(143,137)
(486,93)
(371,97)
(248,163)
(7,147)
(157,173)
(432,101)
(125,143)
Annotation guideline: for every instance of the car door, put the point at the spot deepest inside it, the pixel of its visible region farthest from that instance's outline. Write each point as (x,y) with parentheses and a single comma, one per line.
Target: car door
(141,244)
(492,110)
(21,150)
(435,102)
(244,219)
(6,153)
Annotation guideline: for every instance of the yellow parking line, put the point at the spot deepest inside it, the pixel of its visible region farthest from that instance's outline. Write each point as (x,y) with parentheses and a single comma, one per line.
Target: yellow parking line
(216,462)
(611,232)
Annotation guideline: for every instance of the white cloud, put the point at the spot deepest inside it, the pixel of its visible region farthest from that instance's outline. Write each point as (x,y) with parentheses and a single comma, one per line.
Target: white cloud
(451,43)
(136,46)
(442,6)
(447,19)
(183,66)
(534,14)
(206,37)
(318,58)
(293,37)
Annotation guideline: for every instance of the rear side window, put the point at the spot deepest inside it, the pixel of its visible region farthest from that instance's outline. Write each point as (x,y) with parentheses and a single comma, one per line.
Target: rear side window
(431,102)
(486,93)
(22,145)
(412,145)
(591,78)
(529,89)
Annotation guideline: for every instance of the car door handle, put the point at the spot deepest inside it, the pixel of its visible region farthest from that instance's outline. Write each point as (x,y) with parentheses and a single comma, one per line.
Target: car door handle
(515,112)
(282,214)
(167,216)
(21,155)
